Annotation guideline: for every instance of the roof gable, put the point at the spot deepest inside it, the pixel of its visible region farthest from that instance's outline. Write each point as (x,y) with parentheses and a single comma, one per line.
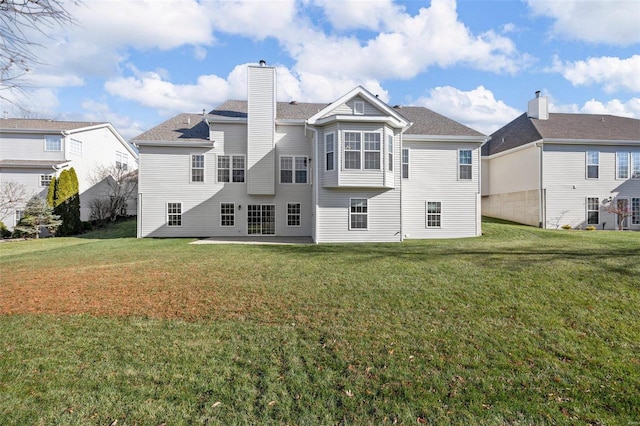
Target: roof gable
(346,106)
(40,125)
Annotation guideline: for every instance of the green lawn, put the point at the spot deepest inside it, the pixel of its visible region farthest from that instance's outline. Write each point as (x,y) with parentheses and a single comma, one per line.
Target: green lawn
(521,326)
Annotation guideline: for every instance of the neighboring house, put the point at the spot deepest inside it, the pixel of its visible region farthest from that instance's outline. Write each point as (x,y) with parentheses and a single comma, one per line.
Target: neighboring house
(33,151)
(549,170)
(355,170)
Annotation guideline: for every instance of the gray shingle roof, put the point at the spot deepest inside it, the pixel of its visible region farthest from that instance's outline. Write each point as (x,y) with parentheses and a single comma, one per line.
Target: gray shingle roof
(7,124)
(191,126)
(597,127)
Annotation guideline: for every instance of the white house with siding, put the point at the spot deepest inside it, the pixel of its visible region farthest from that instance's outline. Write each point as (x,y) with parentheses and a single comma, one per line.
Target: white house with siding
(549,170)
(33,151)
(355,170)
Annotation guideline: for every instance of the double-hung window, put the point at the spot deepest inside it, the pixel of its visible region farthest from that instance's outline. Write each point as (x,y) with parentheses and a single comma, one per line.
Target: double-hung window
(465,159)
(329,149)
(174,214)
(405,163)
(293,214)
(45,180)
(593,210)
(635,165)
(390,151)
(352,144)
(622,165)
(53,143)
(635,211)
(593,164)
(358,213)
(362,150)
(293,169)
(434,214)
(227,214)
(197,167)
(231,168)
(371,151)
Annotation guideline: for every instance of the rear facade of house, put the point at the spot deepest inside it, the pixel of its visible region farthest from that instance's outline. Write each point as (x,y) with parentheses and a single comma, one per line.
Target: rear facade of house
(554,170)
(355,170)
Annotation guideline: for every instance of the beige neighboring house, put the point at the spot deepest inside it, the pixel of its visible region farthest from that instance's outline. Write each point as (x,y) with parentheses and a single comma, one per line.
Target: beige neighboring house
(549,170)
(354,170)
(33,151)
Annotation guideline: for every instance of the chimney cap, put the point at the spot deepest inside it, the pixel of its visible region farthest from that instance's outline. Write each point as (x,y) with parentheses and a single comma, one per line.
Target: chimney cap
(537,93)
(263,63)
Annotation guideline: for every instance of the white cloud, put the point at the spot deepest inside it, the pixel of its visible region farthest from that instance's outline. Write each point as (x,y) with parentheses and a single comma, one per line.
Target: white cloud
(595,21)
(610,72)
(630,108)
(255,19)
(476,108)
(30,103)
(356,14)
(100,111)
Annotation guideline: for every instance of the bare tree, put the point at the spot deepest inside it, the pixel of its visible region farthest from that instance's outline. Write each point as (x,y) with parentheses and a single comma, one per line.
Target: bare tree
(19,21)
(12,194)
(116,187)
(619,207)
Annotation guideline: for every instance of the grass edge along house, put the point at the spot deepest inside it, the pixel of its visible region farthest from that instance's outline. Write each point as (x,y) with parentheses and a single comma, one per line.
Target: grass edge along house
(354,170)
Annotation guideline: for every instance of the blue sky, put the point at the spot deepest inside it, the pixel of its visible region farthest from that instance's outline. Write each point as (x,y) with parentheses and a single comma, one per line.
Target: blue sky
(137,63)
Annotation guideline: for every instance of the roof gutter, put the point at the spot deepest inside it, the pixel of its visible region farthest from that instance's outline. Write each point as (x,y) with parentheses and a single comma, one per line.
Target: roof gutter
(180,144)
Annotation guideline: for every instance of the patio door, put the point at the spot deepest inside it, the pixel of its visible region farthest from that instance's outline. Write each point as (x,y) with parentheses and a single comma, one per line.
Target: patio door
(261,219)
(623,205)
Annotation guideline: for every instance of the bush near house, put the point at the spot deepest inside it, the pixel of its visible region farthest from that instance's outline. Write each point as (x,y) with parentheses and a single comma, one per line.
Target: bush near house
(520,326)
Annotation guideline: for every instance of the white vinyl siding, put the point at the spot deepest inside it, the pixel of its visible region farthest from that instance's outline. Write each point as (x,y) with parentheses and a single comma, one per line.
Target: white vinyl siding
(593,210)
(593,164)
(174,214)
(53,143)
(260,142)
(197,167)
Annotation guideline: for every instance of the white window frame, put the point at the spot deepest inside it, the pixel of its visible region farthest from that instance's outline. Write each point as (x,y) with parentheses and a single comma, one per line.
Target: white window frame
(50,139)
(196,165)
(75,147)
(295,168)
(362,150)
(45,180)
(590,163)
(635,210)
(622,168)
(353,213)
(433,219)
(294,215)
(465,165)
(634,165)
(589,209)
(377,151)
(329,164)
(18,215)
(122,160)
(390,152)
(225,214)
(406,158)
(174,214)
(231,160)
(358,108)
